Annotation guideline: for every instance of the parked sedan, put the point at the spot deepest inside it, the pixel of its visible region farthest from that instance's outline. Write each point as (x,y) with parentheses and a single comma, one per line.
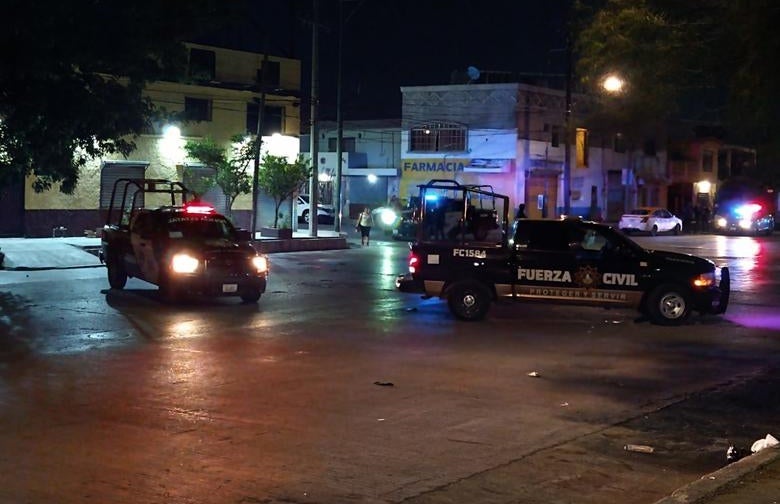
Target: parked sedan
(651,220)
(326,214)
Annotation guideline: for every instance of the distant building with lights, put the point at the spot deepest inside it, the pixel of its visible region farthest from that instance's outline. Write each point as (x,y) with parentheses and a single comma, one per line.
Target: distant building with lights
(370,162)
(219,98)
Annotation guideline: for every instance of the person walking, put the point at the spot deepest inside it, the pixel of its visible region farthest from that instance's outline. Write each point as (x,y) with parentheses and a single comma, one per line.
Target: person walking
(364,224)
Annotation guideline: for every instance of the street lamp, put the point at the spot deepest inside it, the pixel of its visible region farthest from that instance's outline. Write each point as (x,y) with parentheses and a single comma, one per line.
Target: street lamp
(613,84)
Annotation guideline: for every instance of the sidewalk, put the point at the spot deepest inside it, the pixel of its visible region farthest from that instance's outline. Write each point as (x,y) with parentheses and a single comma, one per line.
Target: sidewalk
(28,254)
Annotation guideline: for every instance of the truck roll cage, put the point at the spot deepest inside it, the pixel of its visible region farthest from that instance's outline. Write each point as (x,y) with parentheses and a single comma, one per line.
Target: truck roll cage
(128,194)
(462,213)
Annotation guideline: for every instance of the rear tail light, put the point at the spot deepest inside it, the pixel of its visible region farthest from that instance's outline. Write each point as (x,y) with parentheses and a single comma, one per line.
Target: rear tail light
(414,261)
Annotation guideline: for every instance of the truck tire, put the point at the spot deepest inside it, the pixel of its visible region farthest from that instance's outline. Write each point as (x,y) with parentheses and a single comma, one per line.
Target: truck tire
(668,304)
(117,276)
(469,300)
(251,296)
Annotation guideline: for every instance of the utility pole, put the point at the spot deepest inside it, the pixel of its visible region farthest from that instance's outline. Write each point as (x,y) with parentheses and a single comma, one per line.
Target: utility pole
(313,130)
(259,138)
(339,123)
(567,133)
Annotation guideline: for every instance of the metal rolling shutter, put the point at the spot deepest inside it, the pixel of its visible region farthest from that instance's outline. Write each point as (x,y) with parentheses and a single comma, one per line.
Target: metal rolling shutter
(110,172)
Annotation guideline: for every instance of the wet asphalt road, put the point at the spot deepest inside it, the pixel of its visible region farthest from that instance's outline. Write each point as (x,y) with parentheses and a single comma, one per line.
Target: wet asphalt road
(116,397)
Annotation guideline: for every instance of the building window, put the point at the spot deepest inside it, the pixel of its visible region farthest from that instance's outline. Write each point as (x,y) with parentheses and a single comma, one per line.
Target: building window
(347,144)
(707,161)
(197,109)
(582,148)
(272,75)
(273,119)
(438,137)
(202,65)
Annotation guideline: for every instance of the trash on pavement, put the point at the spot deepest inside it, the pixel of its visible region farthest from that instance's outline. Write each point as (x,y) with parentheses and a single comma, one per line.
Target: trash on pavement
(384,383)
(768,441)
(639,448)
(733,454)
(534,374)
(564,404)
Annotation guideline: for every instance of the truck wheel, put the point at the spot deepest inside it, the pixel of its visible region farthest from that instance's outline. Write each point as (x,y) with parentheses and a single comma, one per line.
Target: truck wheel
(117,276)
(668,304)
(251,296)
(469,300)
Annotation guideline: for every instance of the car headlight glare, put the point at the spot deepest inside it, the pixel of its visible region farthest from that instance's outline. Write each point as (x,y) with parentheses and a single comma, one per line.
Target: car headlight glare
(704,280)
(260,263)
(388,216)
(184,263)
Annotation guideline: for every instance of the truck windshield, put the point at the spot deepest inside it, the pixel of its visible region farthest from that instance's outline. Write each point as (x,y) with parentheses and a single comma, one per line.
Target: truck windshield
(208,227)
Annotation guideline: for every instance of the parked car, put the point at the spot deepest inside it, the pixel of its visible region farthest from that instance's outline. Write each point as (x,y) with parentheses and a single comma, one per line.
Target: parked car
(651,220)
(326,214)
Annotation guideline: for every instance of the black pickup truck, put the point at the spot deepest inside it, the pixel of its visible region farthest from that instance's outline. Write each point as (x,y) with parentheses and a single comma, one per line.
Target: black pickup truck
(481,256)
(182,245)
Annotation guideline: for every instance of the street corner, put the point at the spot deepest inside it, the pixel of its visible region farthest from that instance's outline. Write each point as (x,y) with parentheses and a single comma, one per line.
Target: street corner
(708,486)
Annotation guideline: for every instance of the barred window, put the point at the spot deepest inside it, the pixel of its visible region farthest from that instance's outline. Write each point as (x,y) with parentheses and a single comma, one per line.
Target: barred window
(438,137)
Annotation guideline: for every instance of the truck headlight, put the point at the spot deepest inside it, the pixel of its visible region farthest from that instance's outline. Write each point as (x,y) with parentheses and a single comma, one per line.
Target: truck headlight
(704,280)
(184,263)
(388,216)
(260,263)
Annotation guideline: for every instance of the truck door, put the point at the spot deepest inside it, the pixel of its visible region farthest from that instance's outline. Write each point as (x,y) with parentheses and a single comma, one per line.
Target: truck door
(543,264)
(141,239)
(605,268)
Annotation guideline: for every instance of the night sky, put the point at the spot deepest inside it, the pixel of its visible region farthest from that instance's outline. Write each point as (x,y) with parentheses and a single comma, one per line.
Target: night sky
(394,43)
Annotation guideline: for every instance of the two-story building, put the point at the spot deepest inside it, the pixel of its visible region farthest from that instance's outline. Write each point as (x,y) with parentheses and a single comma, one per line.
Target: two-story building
(219,98)
(513,137)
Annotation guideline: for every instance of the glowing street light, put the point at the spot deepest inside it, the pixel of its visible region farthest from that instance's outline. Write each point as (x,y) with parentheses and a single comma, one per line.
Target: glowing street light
(613,84)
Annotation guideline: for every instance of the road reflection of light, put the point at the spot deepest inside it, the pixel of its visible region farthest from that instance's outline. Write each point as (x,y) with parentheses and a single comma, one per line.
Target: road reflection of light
(741,248)
(389,266)
(757,321)
(742,255)
(184,329)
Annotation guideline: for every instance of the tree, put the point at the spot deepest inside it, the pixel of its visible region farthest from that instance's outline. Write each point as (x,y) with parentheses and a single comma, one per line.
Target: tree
(72,76)
(710,61)
(230,170)
(281,178)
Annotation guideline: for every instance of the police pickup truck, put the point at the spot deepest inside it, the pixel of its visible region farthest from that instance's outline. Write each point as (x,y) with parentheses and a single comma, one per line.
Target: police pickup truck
(183,246)
(572,261)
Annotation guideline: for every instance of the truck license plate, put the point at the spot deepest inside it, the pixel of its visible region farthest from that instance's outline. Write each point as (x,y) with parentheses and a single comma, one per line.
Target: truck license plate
(226,288)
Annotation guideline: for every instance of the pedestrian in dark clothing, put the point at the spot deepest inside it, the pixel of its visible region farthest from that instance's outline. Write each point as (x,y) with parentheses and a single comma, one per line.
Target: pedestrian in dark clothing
(705,219)
(521,212)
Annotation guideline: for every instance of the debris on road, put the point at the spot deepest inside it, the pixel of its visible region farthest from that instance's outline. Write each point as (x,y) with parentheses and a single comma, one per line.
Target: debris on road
(766,442)
(639,448)
(384,384)
(534,374)
(733,454)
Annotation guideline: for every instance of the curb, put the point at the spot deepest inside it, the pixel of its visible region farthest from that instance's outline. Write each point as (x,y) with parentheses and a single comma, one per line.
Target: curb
(708,485)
